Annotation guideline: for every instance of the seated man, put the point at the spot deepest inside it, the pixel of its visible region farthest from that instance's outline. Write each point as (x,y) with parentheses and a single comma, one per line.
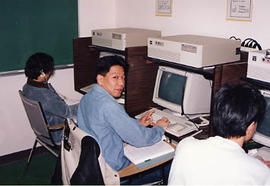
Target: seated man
(101,116)
(39,67)
(220,160)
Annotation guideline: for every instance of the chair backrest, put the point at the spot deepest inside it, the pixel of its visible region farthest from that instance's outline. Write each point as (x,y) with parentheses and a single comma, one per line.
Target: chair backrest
(82,161)
(37,119)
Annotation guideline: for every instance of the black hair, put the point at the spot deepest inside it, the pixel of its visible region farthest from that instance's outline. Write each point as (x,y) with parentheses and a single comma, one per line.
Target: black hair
(37,63)
(105,63)
(235,108)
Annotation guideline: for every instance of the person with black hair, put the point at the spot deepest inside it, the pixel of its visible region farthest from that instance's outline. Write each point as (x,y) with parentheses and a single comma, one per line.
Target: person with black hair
(100,115)
(221,160)
(39,68)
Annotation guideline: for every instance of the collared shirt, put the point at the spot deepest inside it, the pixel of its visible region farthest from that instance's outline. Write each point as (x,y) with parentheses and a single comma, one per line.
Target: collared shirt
(54,107)
(101,116)
(216,161)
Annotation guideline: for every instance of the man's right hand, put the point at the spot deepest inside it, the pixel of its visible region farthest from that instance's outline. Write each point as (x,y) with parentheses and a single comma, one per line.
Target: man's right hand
(265,162)
(163,122)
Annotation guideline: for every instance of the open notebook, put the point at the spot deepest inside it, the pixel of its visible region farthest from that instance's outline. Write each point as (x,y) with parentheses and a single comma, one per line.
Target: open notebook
(146,156)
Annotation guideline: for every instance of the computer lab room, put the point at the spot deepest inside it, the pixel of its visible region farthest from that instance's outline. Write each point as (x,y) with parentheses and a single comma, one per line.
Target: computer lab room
(179,54)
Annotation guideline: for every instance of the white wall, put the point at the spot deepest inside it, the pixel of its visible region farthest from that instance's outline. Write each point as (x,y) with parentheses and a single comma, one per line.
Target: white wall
(15,131)
(202,17)
(95,14)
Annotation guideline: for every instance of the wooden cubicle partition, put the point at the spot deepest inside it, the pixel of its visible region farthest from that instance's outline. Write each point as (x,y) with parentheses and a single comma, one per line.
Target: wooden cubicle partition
(229,73)
(139,81)
(84,66)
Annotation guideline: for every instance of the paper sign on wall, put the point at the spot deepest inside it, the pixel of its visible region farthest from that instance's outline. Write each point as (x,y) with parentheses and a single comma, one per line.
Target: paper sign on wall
(239,10)
(163,7)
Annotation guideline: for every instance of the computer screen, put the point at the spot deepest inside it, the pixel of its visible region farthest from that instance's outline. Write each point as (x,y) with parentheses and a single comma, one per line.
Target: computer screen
(262,134)
(182,92)
(174,83)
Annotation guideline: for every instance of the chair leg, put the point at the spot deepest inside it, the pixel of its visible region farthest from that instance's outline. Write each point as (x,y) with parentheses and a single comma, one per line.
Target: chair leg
(31,153)
(29,158)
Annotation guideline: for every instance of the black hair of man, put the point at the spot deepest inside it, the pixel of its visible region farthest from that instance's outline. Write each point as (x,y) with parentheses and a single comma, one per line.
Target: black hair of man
(38,63)
(105,63)
(235,108)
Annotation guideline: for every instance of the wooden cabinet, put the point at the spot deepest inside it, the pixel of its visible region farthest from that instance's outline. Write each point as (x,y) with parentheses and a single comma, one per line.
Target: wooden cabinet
(140,79)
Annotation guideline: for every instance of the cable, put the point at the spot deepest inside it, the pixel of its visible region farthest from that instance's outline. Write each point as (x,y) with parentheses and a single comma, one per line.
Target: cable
(251,43)
(233,37)
(192,121)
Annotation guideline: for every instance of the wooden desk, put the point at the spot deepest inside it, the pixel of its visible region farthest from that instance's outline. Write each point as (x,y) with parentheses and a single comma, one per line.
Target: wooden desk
(132,169)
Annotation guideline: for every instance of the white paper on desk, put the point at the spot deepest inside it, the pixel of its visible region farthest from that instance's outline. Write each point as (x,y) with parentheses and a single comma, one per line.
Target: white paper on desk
(145,154)
(87,88)
(69,101)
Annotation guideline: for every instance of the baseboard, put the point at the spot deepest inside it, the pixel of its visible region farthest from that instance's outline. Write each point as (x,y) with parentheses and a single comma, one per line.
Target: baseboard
(21,155)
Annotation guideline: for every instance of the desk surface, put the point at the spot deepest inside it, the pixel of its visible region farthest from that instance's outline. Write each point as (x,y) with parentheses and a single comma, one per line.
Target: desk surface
(132,169)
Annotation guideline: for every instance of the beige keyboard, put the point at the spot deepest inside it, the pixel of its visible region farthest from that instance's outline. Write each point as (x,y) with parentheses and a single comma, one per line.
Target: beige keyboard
(178,126)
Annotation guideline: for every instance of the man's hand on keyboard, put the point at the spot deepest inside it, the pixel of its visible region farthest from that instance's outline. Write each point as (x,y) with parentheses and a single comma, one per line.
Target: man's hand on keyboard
(147,119)
(163,122)
(265,162)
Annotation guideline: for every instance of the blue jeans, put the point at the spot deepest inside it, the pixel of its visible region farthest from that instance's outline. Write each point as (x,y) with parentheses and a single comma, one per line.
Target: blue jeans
(155,174)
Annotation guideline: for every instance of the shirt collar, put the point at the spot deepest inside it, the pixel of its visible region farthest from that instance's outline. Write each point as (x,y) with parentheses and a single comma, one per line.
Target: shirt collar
(37,84)
(226,141)
(103,91)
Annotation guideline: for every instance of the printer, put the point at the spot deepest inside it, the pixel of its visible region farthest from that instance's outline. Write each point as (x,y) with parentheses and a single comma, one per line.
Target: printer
(121,38)
(194,50)
(259,65)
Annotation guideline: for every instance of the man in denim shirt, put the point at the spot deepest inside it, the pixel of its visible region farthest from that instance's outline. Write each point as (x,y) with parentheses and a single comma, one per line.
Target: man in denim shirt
(39,67)
(101,116)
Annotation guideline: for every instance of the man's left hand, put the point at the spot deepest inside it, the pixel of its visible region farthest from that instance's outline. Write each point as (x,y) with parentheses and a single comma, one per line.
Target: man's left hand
(147,118)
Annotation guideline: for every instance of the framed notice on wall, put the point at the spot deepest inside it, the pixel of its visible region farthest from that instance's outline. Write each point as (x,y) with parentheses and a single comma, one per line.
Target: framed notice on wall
(239,10)
(163,7)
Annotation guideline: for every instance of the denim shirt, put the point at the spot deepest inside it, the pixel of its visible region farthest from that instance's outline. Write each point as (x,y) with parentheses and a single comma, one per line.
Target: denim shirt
(54,107)
(101,116)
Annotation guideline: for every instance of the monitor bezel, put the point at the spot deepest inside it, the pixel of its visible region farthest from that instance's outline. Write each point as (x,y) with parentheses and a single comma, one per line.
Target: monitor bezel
(169,105)
(259,137)
(195,89)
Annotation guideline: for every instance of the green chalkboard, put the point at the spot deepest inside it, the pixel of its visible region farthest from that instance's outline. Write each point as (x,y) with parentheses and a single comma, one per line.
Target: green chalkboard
(29,26)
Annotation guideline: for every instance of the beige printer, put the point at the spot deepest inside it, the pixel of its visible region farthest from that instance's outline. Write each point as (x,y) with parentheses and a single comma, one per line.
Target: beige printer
(194,50)
(121,38)
(259,65)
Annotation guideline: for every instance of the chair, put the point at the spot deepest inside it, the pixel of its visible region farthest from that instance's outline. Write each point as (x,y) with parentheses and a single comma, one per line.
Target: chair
(40,127)
(82,161)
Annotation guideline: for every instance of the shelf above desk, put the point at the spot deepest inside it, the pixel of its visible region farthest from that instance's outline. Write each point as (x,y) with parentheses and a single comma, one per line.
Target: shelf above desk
(258,83)
(207,72)
(105,49)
